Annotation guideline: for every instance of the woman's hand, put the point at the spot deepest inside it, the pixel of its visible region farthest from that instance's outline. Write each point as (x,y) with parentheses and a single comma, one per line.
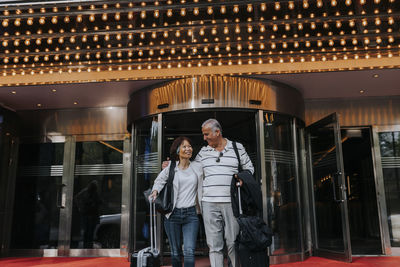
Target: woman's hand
(153,196)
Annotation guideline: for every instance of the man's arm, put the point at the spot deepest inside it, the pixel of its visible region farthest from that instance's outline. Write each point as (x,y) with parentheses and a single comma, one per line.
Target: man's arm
(245,159)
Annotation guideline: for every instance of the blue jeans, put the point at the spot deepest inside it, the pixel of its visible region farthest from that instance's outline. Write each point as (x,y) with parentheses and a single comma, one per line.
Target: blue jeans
(186,221)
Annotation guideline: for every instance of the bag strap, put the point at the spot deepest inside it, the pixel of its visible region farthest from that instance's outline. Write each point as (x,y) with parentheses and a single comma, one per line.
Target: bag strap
(237,155)
(171,171)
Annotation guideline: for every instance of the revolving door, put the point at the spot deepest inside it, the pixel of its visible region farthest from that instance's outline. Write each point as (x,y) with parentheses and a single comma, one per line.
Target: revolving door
(271,139)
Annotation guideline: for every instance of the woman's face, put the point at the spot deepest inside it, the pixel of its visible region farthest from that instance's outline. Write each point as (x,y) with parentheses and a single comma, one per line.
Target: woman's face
(185,150)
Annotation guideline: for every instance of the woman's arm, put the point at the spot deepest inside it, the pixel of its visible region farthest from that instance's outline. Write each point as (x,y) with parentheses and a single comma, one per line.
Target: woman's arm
(161,179)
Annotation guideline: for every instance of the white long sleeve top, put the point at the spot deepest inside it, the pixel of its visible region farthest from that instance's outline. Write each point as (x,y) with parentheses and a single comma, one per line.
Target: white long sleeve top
(186,184)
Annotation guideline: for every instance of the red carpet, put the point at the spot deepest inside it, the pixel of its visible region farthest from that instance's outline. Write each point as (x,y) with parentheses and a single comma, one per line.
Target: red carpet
(122,262)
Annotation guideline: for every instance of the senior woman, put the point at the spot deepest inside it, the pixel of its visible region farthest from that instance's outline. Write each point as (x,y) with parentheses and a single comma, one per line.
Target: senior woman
(187,190)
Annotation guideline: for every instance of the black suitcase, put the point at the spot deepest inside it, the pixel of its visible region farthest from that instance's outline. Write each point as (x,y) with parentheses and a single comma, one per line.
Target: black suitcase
(248,257)
(251,258)
(150,256)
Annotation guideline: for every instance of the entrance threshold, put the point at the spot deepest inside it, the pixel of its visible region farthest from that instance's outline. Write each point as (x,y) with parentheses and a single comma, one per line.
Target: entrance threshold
(383,261)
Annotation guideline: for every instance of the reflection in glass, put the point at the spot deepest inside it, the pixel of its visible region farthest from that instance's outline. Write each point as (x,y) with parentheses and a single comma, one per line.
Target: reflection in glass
(281,184)
(96,214)
(390,152)
(36,215)
(146,169)
(360,184)
(325,175)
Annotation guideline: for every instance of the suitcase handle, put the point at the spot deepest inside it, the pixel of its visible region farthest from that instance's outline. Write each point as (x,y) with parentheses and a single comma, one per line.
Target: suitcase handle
(153,224)
(240,201)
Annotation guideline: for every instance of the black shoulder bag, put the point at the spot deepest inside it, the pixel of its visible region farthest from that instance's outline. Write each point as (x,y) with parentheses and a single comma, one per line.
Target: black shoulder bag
(165,199)
(237,155)
(252,197)
(254,234)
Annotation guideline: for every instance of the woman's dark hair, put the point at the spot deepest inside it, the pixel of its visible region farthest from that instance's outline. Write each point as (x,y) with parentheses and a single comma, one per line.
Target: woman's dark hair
(175,145)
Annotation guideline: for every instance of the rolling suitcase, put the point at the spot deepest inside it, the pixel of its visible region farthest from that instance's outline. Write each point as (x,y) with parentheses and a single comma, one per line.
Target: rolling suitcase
(150,256)
(249,256)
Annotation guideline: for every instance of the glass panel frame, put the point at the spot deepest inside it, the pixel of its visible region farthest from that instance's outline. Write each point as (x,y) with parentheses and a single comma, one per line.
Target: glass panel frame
(109,177)
(281,185)
(146,164)
(328,165)
(64,200)
(40,169)
(138,220)
(360,178)
(389,151)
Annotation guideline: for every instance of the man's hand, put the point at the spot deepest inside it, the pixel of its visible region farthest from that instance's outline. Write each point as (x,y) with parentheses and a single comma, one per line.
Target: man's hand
(165,163)
(239,182)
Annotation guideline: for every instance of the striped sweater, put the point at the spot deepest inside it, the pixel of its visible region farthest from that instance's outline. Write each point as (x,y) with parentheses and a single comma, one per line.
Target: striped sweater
(218,170)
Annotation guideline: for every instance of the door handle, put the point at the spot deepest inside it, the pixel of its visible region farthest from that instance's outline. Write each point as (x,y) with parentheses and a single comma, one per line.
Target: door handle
(342,187)
(61,198)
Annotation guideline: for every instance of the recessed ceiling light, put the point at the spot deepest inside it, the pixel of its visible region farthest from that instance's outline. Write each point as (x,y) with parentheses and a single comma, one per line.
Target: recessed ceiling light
(376,75)
(75,103)
(39,105)
(362,91)
(53,90)
(13,92)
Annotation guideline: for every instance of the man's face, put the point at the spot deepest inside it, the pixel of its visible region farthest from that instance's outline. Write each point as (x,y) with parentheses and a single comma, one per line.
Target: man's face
(210,136)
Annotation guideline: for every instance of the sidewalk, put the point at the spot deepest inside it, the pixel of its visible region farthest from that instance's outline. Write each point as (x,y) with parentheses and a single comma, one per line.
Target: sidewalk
(200,262)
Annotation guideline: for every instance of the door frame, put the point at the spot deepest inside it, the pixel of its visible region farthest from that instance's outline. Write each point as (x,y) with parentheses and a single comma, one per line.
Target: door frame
(387,249)
(9,192)
(48,252)
(346,255)
(68,193)
(66,202)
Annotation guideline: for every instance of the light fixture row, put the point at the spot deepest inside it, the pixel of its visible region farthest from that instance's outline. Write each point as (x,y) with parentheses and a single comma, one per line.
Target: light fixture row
(220,27)
(17,22)
(131,35)
(183,75)
(262,59)
(289,45)
(184,7)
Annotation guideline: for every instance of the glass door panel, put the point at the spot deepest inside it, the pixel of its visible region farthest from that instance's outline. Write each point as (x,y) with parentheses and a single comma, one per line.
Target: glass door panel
(362,201)
(146,168)
(332,237)
(390,154)
(96,210)
(37,196)
(281,186)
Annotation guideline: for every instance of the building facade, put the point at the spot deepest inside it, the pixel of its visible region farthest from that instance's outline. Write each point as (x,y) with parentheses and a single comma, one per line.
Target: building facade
(93,94)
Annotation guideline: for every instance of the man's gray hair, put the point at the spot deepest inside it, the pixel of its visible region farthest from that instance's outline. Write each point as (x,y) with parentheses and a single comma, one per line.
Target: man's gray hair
(214,125)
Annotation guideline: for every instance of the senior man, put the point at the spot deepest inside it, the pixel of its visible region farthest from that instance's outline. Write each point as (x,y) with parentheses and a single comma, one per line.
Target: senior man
(219,163)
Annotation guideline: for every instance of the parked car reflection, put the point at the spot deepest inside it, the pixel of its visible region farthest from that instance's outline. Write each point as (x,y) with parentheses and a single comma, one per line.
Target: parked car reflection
(107,231)
(394,222)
